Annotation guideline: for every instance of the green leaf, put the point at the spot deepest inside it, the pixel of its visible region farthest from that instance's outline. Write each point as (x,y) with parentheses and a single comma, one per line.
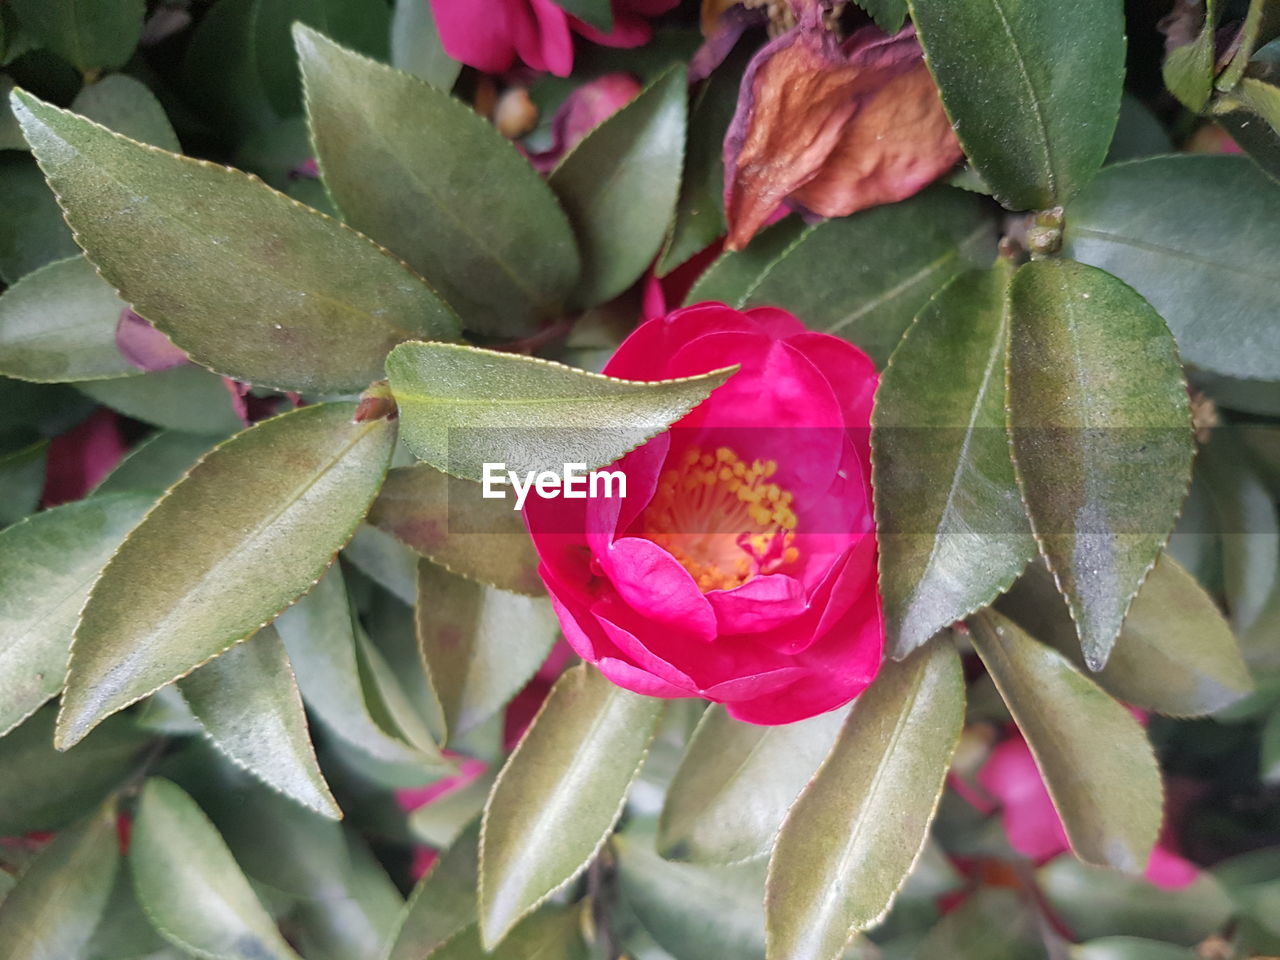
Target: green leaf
(48,563)
(22,481)
(992,924)
(230,546)
(1100,428)
(888,14)
(185,398)
(158,462)
(44,789)
(850,839)
(1216,284)
(735,784)
(462,407)
(125,105)
(1094,902)
(416,170)
(56,905)
(735,273)
(553,933)
(619,186)
(88,34)
(248,702)
(1092,754)
(443,903)
(448,521)
(1033,89)
(190,886)
(318,634)
(1188,69)
(32,231)
(1138,133)
(58,323)
(1129,948)
(416,46)
(597,13)
(1259,139)
(250,283)
(384,560)
(1269,750)
(699,218)
(952,528)
(1253,881)
(1176,654)
(559,794)
(905,252)
(481,645)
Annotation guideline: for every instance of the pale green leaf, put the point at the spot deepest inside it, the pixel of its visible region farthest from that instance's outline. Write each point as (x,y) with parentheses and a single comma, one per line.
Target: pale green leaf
(850,839)
(417,170)
(248,282)
(58,323)
(1129,948)
(461,408)
(158,462)
(250,528)
(560,794)
(248,702)
(416,46)
(619,186)
(190,886)
(186,398)
(736,782)
(125,105)
(1188,69)
(443,903)
(1101,434)
(952,528)
(88,34)
(1092,754)
(48,564)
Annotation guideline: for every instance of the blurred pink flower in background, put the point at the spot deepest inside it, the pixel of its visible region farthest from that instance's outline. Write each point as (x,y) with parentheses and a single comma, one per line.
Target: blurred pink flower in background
(1033,826)
(81,457)
(583,110)
(490,35)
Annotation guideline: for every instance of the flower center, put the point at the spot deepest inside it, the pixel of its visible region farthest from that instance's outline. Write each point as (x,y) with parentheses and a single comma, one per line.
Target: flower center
(724,520)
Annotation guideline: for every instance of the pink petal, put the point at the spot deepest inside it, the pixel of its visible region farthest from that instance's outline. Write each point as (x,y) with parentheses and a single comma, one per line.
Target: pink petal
(144,346)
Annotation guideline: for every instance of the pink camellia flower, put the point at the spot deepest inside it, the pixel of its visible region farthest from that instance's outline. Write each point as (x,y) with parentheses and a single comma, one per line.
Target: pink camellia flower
(583,110)
(1033,826)
(741,564)
(489,36)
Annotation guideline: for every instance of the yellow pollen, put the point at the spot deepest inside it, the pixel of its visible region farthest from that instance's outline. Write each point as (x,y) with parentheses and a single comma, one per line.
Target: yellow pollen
(722,519)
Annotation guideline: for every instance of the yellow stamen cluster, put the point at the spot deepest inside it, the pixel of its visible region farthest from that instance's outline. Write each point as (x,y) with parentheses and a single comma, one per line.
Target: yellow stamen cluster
(726,521)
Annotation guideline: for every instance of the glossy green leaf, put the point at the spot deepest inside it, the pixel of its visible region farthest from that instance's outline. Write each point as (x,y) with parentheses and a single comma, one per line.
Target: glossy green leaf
(1095,902)
(888,14)
(1092,754)
(443,903)
(186,398)
(190,886)
(952,528)
(1239,114)
(735,784)
(125,105)
(415,169)
(699,218)
(32,231)
(45,789)
(1032,88)
(1129,948)
(250,283)
(248,702)
(1101,434)
(1212,278)
(553,933)
(481,645)
(22,475)
(1138,133)
(850,839)
(158,462)
(384,560)
(88,34)
(560,794)
(461,407)
(55,907)
(319,636)
(416,46)
(1188,69)
(448,521)
(1176,654)
(58,323)
(48,564)
(233,544)
(891,259)
(634,155)
(992,924)
(735,273)
(597,13)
